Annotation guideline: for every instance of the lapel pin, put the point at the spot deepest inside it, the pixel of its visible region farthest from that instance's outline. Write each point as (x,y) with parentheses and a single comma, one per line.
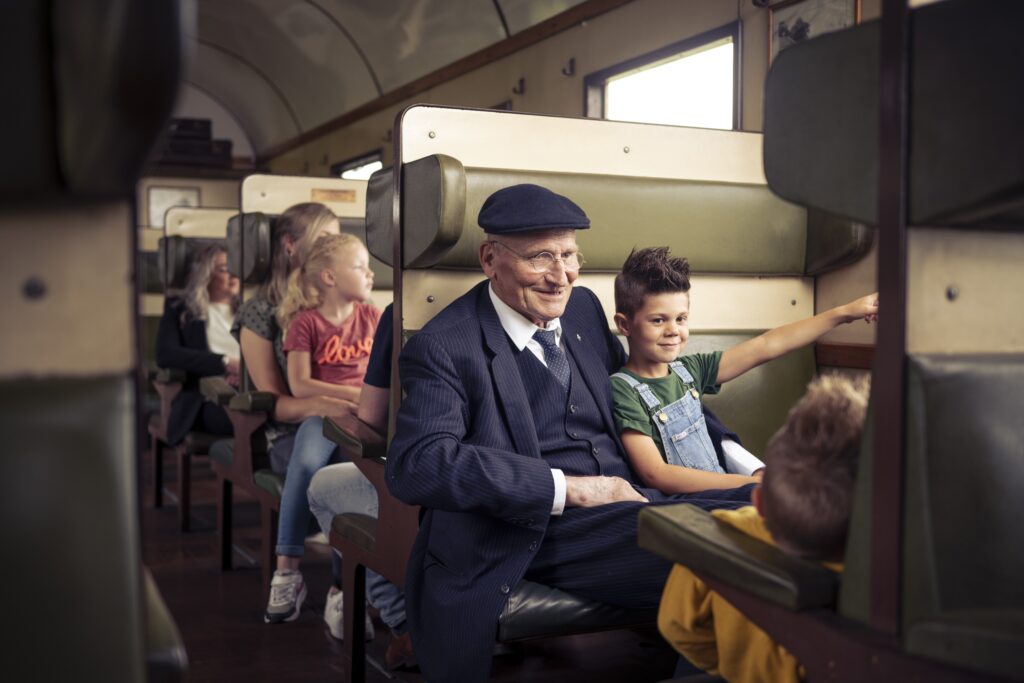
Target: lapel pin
(578,337)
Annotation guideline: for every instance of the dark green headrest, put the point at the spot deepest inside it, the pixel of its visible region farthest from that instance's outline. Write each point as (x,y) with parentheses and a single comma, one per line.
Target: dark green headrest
(720,227)
(966,107)
(175,255)
(249,246)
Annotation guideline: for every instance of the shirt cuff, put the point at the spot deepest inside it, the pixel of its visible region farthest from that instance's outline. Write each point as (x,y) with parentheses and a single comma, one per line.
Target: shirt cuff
(738,460)
(558,504)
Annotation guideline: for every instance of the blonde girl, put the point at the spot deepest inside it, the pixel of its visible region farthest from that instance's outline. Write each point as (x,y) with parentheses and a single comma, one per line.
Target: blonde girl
(329,333)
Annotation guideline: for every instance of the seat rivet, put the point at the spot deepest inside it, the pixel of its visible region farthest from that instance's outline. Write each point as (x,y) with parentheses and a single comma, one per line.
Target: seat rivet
(626,149)
(34,288)
(430,299)
(952,292)
(431,135)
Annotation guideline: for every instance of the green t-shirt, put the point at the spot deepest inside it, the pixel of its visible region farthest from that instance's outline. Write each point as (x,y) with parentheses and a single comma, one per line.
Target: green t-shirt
(631,413)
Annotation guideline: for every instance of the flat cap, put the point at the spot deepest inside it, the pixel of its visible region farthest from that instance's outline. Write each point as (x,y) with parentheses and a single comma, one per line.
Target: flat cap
(526,207)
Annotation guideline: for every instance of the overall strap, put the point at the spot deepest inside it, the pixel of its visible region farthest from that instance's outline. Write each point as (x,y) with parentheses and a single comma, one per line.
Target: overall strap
(646,395)
(681,372)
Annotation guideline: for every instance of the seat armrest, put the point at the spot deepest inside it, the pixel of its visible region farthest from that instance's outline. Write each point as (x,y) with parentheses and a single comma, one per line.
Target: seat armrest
(170,376)
(711,548)
(253,402)
(166,660)
(363,444)
(217,390)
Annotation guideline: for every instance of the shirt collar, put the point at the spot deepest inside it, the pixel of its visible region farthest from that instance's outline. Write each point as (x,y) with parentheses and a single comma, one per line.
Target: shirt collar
(516,326)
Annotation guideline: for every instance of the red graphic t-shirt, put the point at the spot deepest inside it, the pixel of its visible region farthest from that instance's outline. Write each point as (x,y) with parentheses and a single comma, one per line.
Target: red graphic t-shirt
(339,353)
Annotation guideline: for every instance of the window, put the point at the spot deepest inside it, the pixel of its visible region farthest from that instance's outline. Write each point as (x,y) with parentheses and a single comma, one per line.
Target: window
(691,83)
(358,168)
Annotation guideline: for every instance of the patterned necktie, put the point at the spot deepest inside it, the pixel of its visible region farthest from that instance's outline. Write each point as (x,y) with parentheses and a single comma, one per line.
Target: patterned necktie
(554,356)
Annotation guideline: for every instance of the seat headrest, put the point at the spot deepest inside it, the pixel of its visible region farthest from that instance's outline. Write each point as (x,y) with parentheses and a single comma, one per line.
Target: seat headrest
(249,247)
(175,255)
(86,116)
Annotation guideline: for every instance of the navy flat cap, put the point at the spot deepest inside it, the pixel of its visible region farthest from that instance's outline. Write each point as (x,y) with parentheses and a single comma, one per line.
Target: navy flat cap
(521,208)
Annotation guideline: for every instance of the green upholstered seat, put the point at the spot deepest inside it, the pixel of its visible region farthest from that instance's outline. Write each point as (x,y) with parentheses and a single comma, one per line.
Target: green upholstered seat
(963,596)
(269,481)
(70,456)
(223,452)
(966,152)
(690,536)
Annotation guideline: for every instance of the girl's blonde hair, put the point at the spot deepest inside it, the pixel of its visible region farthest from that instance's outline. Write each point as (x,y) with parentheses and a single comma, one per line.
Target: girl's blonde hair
(197,292)
(304,284)
(302,223)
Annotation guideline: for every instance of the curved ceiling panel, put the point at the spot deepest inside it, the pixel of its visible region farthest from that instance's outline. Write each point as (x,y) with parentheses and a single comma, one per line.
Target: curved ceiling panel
(261,108)
(296,46)
(406,39)
(522,14)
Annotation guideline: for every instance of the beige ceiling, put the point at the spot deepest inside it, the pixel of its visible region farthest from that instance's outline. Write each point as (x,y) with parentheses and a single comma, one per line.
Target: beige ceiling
(284,67)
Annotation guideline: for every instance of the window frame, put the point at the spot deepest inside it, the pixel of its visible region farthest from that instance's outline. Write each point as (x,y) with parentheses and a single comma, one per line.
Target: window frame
(355,162)
(594,83)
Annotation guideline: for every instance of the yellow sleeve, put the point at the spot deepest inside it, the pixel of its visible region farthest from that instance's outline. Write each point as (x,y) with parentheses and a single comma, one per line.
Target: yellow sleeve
(686,620)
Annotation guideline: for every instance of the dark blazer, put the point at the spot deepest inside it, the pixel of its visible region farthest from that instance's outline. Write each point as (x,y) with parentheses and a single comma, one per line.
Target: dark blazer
(183,347)
(465,448)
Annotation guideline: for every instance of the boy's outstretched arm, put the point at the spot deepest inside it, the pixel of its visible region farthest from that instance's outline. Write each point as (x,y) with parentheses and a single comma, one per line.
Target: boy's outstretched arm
(654,472)
(782,340)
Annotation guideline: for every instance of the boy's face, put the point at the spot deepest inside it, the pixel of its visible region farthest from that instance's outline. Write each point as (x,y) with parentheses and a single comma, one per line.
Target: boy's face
(658,331)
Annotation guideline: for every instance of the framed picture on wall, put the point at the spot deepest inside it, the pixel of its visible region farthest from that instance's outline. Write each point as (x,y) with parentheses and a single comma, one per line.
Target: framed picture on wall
(162,198)
(794,21)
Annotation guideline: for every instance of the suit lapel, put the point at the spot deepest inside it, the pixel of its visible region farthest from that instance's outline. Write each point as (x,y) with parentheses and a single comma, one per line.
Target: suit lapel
(508,382)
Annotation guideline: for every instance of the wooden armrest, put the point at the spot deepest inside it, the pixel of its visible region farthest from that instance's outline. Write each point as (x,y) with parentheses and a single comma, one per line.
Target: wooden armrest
(169,376)
(363,444)
(217,390)
(711,548)
(253,402)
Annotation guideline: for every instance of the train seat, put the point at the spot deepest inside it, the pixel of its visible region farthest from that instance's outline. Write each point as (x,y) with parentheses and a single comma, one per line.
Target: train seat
(75,145)
(720,227)
(960,599)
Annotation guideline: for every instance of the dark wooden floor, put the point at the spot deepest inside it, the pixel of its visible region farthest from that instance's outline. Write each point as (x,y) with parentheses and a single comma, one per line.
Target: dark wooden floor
(220,614)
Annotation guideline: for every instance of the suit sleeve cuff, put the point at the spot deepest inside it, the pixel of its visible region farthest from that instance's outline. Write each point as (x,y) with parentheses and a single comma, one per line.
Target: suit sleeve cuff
(558,504)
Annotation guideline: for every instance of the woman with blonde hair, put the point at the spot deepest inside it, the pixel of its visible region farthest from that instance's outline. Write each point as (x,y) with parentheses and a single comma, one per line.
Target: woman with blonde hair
(194,336)
(262,344)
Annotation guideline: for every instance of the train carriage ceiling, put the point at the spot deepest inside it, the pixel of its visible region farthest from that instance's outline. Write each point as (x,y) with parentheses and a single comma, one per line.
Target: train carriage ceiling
(283,67)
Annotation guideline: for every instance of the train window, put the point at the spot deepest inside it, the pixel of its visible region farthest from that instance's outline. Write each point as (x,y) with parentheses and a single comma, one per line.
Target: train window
(690,83)
(360,167)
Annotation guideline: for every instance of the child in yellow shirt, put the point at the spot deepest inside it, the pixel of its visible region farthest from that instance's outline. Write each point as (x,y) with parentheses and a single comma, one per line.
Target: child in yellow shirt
(802,506)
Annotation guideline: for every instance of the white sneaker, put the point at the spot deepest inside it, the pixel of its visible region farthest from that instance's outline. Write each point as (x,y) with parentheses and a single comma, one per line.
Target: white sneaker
(287,593)
(334,615)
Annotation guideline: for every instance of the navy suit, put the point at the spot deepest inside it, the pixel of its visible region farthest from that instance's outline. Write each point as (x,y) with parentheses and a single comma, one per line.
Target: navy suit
(466,448)
(182,346)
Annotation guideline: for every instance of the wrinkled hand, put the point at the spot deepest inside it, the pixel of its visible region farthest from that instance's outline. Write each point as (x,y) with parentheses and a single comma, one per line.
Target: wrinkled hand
(233,379)
(593,491)
(233,367)
(865,308)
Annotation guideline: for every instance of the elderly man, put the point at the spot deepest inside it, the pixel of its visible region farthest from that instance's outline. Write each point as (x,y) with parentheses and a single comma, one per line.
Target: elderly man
(505,436)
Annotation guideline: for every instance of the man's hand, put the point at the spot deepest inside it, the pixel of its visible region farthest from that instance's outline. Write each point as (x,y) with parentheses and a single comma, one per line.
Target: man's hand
(593,491)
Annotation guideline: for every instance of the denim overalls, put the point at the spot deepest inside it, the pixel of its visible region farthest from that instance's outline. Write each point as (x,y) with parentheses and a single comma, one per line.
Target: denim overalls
(681,425)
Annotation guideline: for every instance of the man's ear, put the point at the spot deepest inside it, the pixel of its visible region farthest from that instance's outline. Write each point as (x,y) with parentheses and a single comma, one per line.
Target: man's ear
(622,322)
(487,256)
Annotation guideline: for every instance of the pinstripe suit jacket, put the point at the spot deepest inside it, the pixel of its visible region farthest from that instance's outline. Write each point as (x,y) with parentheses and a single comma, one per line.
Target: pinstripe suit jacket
(465,448)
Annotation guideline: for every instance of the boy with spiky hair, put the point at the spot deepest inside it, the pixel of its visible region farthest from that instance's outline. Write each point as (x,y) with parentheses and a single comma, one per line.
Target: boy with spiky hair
(657,394)
(803,506)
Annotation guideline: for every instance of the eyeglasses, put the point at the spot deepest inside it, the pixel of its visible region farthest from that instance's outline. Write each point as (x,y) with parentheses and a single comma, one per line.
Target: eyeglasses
(545,261)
